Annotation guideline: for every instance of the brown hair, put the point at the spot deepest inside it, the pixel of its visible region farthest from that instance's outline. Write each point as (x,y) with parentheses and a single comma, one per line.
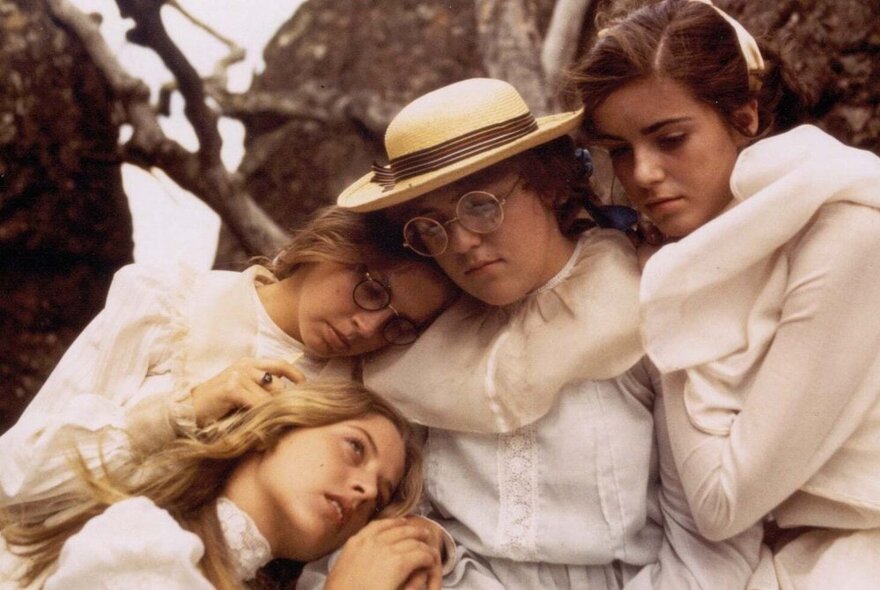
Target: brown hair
(188,474)
(334,234)
(690,43)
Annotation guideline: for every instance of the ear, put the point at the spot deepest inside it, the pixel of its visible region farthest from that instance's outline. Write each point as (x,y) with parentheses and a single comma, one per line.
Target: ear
(745,118)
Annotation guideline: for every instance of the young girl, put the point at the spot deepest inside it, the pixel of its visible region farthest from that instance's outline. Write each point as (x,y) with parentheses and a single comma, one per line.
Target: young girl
(176,349)
(541,488)
(293,477)
(758,312)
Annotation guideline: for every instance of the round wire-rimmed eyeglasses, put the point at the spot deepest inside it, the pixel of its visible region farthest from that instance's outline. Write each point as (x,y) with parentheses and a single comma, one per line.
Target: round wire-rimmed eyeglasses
(480,212)
(374,294)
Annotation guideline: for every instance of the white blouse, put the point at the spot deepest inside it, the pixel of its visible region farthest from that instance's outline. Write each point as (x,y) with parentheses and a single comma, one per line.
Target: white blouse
(125,381)
(764,322)
(134,545)
(571,497)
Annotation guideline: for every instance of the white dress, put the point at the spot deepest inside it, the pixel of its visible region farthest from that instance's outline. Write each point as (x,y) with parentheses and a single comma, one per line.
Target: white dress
(134,545)
(540,456)
(130,371)
(764,323)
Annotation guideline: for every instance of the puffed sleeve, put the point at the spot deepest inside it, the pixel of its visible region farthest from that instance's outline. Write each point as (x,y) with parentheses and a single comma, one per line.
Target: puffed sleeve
(489,369)
(133,545)
(95,390)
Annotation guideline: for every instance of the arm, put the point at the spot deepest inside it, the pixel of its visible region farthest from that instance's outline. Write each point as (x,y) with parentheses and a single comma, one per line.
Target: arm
(133,544)
(505,367)
(811,390)
(89,392)
(687,560)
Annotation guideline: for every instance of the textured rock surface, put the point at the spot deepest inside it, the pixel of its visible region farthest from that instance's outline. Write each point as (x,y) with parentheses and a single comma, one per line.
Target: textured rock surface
(64,222)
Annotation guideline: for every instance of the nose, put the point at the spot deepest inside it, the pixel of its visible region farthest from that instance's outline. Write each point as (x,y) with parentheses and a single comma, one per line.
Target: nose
(368,323)
(647,168)
(461,239)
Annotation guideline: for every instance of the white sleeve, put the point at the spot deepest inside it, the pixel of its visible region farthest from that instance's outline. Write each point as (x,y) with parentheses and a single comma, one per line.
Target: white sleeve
(810,392)
(687,560)
(133,545)
(93,392)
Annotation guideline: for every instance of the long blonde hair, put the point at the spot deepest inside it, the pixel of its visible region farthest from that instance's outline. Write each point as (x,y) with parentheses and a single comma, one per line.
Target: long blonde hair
(186,476)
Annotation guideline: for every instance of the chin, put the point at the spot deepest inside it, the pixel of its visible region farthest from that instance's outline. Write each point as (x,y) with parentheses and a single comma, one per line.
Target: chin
(496,297)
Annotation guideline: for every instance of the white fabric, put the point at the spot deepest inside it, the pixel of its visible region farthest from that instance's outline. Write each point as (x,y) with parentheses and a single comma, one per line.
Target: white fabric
(764,322)
(482,369)
(247,546)
(571,500)
(160,333)
(136,545)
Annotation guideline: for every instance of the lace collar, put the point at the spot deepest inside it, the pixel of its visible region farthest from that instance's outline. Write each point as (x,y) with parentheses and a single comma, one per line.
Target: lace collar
(248,548)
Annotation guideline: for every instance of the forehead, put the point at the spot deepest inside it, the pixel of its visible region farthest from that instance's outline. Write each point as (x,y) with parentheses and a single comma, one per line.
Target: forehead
(641,103)
(446,197)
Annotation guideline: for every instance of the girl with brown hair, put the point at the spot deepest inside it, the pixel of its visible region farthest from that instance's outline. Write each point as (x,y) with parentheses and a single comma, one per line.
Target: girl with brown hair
(759,311)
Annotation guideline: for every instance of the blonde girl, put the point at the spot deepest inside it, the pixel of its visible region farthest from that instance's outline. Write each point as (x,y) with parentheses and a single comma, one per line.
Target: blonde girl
(294,477)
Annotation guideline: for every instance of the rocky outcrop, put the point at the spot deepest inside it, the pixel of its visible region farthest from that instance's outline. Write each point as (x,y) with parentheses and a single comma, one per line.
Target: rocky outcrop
(64,221)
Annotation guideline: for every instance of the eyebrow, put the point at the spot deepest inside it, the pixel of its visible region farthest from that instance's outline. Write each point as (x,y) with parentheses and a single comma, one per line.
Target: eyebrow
(653,128)
(387,488)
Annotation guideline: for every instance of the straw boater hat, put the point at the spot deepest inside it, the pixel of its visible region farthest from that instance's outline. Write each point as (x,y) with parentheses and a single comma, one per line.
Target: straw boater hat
(448,134)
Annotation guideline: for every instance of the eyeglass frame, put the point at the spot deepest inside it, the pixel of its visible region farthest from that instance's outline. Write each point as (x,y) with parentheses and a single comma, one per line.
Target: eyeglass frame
(443,224)
(398,319)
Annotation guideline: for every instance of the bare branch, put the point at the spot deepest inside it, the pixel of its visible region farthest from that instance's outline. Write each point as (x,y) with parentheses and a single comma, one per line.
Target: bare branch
(203,173)
(561,40)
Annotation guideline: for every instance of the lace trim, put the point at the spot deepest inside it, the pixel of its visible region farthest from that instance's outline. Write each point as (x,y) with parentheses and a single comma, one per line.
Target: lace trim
(518,494)
(248,548)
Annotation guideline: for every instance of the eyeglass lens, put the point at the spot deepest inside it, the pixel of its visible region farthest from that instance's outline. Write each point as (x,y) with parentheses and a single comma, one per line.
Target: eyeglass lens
(477,211)
(373,295)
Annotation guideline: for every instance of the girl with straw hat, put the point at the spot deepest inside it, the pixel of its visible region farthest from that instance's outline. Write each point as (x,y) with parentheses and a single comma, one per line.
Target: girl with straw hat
(540,452)
(762,310)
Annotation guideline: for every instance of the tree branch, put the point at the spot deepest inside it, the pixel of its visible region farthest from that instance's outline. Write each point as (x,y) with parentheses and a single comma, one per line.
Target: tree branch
(561,40)
(201,173)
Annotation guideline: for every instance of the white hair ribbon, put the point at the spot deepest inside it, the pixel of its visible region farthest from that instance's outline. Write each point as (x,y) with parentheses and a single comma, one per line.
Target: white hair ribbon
(747,46)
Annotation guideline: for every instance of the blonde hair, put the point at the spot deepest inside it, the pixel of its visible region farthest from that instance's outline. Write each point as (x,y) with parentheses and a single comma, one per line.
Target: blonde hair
(334,234)
(187,475)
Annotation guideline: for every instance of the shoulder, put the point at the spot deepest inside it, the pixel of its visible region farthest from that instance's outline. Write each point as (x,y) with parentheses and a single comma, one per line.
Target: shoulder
(133,528)
(134,525)
(839,228)
(132,544)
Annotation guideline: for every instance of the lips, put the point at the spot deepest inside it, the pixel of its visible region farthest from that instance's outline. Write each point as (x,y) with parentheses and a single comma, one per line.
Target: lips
(476,267)
(660,204)
(341,509)
(336,339)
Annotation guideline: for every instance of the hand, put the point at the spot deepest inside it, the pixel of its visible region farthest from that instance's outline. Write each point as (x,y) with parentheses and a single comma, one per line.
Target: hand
(240,385)
(384,555)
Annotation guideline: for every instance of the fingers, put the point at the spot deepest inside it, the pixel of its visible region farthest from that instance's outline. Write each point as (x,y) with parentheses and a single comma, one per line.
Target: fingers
(279,368)
(245,383)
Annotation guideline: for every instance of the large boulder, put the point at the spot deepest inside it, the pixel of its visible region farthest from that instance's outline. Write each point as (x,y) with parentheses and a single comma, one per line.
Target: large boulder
(64,221)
